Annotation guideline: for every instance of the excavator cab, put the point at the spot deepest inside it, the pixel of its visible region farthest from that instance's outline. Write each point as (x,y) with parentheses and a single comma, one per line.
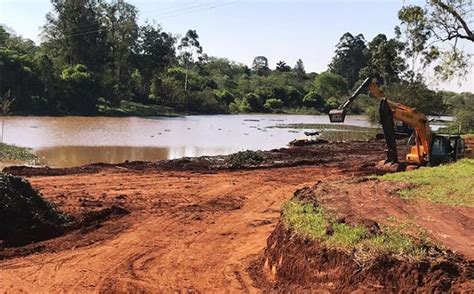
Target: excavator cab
(446,149)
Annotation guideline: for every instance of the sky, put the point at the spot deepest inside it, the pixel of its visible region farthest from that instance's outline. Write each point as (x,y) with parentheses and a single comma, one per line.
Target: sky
(240,30)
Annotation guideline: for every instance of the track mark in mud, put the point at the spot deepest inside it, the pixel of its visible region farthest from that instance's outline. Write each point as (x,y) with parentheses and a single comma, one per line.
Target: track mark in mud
(199,211)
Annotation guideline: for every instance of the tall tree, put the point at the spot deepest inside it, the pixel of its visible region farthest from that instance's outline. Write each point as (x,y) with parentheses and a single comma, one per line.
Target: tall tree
(260,65)
(385,59)
(190,49)
(74,32)
(121,37)
(440,21)
(156,52)
(299,68)
(416,32)
(281,66)
(351,56)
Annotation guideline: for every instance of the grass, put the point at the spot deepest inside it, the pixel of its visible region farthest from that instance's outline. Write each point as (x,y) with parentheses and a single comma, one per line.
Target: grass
(313,223)
(451,184)
(130,108)
(12,152)
(335,132)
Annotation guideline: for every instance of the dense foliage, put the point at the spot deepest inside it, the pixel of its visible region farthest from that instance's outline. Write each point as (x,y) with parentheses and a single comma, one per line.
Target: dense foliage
(95,57)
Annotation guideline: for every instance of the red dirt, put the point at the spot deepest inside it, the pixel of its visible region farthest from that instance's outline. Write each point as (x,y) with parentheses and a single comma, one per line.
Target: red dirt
(293,263)
(194,224)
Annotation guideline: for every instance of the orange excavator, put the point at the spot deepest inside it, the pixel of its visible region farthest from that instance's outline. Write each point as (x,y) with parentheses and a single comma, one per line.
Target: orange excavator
(428,148)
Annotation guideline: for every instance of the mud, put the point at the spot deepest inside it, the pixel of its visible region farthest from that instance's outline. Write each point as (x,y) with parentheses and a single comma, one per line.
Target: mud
(322,153)
(199,225)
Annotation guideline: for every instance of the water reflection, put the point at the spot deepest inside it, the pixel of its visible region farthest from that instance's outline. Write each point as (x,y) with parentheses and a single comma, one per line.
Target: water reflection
(72,140)
(68,156)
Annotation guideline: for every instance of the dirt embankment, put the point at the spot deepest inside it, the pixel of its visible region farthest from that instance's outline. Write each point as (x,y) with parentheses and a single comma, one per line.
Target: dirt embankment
(194,224)
(293,262)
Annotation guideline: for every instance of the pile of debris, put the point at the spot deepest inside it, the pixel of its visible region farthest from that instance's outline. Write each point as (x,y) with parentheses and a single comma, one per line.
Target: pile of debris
(25,216)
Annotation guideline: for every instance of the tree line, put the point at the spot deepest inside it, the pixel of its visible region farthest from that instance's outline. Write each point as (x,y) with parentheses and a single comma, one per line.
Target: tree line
(94,54)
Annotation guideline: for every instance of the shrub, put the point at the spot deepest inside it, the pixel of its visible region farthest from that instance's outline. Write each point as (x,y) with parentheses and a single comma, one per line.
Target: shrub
(273,104)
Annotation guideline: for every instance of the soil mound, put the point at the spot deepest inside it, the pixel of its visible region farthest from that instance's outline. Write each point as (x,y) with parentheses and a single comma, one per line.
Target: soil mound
(25,216)
(293,262)
(296,263)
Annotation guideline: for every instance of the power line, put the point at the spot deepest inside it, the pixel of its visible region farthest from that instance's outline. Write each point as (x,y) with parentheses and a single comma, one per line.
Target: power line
(148,12)
(169,14)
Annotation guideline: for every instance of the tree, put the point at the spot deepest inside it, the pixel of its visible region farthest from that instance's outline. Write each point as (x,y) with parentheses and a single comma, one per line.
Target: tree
(384,59)
(299,69)
(260,65)
(121,37)
(441,21)
(74,32)
(351,56)
(5,109)
(273,104)
(189,47)
(417,32)
(418,96)
(79,90)
(314,100)
(281,66)
(330,85)
(48,78)
(155,53)
(254,102)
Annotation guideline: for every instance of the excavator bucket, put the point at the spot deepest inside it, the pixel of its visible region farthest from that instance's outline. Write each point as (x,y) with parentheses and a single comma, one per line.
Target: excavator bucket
(385,167)
(337,115)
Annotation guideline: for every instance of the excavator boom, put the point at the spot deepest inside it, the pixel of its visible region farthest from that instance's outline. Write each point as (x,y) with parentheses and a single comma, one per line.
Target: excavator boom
(389,111)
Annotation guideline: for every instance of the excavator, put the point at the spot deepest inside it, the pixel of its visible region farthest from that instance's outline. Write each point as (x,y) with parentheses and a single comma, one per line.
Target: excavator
(428,148)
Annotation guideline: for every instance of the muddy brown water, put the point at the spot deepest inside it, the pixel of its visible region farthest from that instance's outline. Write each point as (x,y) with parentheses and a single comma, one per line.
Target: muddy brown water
(71,140)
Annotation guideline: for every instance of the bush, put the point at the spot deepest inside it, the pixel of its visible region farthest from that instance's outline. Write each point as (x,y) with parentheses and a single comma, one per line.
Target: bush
(314,100)
(372,114)
(273,104)
(332,103)
(79,90)
(465,118)
(224,96)
(329,84)
(247,157)
(253,102)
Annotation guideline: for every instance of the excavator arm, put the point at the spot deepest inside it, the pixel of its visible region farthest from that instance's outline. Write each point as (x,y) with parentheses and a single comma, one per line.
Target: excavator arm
(389,111)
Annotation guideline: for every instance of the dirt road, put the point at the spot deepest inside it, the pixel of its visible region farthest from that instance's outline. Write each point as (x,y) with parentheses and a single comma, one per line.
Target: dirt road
(186,231)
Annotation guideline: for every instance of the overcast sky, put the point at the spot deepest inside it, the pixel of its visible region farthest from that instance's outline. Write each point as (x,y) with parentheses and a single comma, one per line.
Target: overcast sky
(240,30)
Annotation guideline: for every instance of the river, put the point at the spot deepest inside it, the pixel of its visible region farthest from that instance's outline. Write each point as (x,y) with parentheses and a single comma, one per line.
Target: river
(72,140)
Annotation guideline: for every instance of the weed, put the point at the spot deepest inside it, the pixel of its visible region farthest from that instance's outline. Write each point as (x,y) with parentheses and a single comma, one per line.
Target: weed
(11,152)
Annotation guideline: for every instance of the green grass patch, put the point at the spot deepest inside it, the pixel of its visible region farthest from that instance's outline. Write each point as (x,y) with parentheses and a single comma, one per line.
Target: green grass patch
(335,132)
(451,184)
(12,152)
(130,108)
(313,223)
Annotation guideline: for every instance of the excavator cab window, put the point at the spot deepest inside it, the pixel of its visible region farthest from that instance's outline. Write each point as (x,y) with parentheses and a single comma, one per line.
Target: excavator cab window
(441,150)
